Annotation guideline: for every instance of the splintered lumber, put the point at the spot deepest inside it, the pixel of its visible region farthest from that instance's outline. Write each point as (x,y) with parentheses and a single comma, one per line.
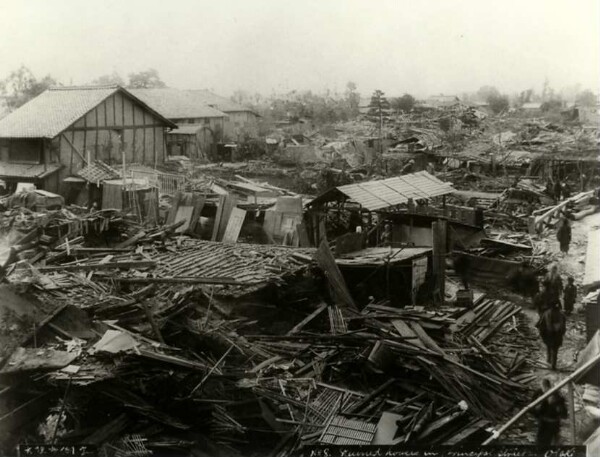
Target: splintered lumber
(555,210)
(132,264)
(572,377)
(134,239)
(307,319)
(326,261)
(365,401)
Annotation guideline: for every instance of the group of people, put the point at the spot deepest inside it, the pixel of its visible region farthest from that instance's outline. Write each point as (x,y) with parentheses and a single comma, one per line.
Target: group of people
(552,327)
(558,189)
(552,319)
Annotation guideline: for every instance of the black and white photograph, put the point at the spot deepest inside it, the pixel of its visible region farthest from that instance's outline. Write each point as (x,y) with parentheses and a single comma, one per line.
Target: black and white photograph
(300,229)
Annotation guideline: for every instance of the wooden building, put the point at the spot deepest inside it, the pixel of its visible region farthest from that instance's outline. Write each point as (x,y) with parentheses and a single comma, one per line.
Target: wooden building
(200,127)
(226,120)
(52,136)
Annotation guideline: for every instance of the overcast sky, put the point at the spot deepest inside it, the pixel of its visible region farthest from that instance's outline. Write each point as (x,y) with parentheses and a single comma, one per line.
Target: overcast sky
(421,47)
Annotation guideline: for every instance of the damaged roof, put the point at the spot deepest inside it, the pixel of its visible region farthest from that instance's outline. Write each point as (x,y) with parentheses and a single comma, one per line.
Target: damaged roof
(245,263)
(57,108)
(385,193)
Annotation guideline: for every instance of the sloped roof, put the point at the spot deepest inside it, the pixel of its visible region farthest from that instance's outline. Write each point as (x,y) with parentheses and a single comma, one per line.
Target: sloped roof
(216,101)
(178,104)
(385,193)
(57,108)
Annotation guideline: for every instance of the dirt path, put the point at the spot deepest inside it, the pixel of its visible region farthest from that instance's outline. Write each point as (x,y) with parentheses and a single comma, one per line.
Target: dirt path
(573,264)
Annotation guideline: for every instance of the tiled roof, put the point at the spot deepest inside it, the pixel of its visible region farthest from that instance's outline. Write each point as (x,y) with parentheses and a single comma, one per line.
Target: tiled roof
(98,171)
(56,109)
(24,170)
(385,193)
(178,104)
(251,264)
(52,112)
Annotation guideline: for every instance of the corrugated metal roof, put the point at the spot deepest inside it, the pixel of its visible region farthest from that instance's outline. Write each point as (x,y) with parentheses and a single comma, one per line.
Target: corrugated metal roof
(24,170)
(56,109)
(380,194)
(179,104)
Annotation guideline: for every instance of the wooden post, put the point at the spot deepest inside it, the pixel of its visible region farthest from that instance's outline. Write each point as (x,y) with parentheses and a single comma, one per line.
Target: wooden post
(572,413)
(439,259)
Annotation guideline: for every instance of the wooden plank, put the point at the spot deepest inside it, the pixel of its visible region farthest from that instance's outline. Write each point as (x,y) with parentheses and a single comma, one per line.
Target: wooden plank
(102,266)
(425,338)
(74,148)
(326,262)
(307,319)
(134,239)
(187,280)
(406,332)
(218,217)
(234,226)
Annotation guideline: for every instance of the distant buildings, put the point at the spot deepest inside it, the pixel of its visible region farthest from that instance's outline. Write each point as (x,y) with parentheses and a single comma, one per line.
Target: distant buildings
(204,119)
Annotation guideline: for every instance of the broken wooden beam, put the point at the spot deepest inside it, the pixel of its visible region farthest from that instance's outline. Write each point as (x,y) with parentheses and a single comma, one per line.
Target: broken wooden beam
(131,264)
(186,280)
(308,318)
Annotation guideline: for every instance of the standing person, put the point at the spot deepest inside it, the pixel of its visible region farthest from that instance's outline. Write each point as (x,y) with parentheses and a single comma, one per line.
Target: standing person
(386,236)
(570,296)
(549,188)
(541,301)
(563,234)
(554,284)
(549,412)
(552,327)
(566,190)
(557,190)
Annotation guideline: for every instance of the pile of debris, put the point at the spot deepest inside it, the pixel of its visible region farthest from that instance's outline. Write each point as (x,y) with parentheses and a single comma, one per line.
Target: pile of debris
(170,343)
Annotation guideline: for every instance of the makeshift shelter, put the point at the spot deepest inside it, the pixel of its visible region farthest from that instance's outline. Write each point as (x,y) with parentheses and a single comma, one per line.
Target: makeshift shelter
(367,198)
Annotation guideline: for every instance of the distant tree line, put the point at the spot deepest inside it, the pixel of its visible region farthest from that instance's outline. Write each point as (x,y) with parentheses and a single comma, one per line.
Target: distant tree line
(21,85)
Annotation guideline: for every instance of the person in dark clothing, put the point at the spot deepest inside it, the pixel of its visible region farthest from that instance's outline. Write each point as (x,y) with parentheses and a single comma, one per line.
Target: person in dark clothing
(569,296)
(557,189)
(549,413)
(552,327)
(541,301)
(566,190)
(554,284)
(563,234)
(461,267)
(549,188)
(523,280)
